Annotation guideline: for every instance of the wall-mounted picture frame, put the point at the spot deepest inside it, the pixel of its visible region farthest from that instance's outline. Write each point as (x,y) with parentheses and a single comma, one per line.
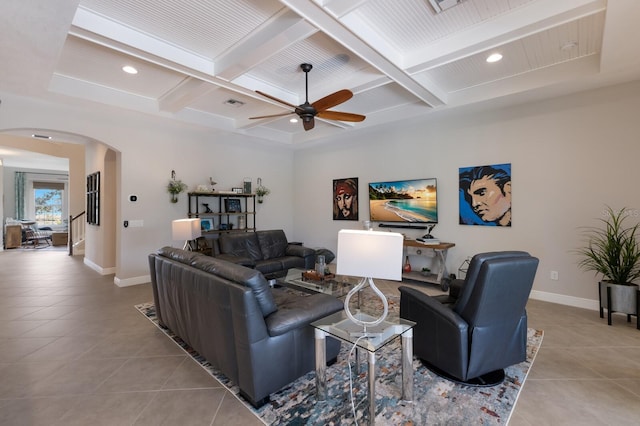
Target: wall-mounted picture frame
(93,199)
(345,199)
(232,205)
(485,195)
(206,224)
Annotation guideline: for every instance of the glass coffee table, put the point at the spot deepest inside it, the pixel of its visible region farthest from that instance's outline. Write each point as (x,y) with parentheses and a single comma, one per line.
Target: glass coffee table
(339,326)
(337,285)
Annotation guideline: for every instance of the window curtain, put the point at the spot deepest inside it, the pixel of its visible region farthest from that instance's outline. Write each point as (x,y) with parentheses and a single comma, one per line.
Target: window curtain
(20,182)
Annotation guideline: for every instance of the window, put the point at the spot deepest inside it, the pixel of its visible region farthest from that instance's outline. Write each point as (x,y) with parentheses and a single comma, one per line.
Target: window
(48,198)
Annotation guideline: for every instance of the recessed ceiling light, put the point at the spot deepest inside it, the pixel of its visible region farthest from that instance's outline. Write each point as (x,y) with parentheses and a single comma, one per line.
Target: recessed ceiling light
(293,120)
(129,69)
(494,57)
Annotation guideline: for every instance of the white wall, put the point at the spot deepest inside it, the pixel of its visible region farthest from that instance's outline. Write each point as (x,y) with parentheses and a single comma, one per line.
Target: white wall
(148,149)
(570,157)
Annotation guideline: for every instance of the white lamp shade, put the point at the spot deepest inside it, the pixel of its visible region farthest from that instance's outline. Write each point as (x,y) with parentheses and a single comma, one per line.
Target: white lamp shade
(370,254)
(186,229)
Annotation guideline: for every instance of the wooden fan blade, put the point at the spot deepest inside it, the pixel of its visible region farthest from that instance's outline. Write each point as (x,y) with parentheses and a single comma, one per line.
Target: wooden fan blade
(341,116)
(275,99)
(332,100)
(273,115)
(308,125)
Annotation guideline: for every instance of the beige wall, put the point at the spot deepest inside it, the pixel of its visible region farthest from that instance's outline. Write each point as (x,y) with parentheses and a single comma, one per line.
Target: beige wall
(570,157)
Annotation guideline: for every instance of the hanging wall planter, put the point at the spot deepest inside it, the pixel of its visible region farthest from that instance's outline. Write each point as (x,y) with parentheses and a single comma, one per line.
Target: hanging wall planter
(175,187)
(261,191)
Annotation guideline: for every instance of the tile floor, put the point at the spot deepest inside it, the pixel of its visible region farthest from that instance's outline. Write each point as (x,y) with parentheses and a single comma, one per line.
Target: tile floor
(74,351)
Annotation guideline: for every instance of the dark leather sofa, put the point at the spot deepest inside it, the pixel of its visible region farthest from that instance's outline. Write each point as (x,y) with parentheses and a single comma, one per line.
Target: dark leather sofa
(259,337)
(267,251)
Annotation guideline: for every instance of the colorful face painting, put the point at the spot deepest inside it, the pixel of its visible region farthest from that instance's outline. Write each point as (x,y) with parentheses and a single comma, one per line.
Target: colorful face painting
(345,199)
(485,195)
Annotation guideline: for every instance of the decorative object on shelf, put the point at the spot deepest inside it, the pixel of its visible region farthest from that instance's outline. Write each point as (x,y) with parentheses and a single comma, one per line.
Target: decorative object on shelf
(207,208)
(204,189)
(175,187)
(212,183)
(261,190)
(187,230)
(237,190)
(614,252)
(242,222)
(369,254)
(247,185)
(407,265)
(206,224)
(232,205)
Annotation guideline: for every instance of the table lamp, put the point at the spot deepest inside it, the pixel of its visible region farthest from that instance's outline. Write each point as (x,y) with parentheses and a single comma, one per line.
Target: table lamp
(187,230)
(369,254)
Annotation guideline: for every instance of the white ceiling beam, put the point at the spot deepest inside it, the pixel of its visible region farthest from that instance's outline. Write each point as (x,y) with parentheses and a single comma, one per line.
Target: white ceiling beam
(275,35)
(184,93)
(106,28)
(338,32)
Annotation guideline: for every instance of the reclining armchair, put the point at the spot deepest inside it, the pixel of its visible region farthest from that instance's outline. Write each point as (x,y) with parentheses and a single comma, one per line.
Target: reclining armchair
(471,335)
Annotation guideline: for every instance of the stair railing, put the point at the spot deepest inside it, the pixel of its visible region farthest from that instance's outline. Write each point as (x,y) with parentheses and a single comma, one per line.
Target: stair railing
(76,230)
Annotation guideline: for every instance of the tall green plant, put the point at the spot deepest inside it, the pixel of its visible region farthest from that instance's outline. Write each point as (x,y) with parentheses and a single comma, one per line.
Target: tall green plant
(612,251)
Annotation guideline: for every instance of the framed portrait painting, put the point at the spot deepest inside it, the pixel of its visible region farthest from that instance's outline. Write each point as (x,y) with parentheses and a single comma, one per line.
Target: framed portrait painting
(485,195)
(345,199)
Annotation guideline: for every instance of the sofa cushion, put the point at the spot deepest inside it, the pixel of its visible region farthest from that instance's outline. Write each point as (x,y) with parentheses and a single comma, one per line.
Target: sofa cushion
(243,244)
(294,309)
(273,243)
(230,271)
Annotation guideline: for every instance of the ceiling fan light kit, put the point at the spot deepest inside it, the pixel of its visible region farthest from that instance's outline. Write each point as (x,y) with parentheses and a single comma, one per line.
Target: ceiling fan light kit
(307,112)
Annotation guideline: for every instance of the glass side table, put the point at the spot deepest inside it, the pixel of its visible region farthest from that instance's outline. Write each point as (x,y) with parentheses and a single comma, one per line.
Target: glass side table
(339,326)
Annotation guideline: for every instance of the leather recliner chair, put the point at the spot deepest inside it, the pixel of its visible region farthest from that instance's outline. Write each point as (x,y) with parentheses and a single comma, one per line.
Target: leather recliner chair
(471,335)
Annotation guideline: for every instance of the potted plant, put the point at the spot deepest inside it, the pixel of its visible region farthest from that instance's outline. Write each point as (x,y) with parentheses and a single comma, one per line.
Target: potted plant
(174,188)
(613,251)
(261,190)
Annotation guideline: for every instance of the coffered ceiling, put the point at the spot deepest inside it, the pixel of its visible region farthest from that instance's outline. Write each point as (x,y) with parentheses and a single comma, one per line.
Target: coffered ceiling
(201,61)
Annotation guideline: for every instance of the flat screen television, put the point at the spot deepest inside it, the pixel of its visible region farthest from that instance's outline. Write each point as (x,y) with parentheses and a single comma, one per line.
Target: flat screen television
(410,201)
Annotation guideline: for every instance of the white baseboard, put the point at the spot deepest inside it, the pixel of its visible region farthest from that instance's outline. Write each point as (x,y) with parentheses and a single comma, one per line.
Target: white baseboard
(561,299)
(99,269)
(126,282)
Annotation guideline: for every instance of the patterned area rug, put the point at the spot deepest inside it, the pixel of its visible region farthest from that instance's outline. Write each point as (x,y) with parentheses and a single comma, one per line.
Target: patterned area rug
(436,400)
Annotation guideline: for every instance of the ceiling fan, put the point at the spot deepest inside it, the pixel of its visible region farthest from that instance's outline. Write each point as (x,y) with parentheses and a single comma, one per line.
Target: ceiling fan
(307,111)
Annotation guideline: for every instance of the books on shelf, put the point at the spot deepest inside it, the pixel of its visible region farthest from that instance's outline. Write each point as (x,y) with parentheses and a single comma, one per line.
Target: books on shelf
(428,241)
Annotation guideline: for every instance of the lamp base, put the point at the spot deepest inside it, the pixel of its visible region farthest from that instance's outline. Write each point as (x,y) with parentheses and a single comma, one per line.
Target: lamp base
(366,321)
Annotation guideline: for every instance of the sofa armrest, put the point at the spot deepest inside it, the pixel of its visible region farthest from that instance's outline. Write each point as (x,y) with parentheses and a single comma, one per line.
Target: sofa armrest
(300,311)
(238,260)
(309,255)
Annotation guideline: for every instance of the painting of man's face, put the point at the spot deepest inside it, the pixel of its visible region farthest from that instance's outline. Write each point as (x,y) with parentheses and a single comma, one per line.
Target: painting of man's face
(345,199)
(485,195)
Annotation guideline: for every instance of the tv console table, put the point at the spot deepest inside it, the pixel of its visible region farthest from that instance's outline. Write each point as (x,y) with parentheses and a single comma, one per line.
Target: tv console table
(438,274)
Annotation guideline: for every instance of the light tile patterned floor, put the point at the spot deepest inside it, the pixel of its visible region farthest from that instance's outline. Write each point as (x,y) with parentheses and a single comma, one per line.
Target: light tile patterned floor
(74,351)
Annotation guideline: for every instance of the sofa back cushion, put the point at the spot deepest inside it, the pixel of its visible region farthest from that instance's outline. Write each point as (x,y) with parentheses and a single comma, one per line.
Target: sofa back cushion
(273,243)
(243,244)
(236,273)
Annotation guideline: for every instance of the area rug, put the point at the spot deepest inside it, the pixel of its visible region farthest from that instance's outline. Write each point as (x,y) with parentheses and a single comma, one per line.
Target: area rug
(436,401)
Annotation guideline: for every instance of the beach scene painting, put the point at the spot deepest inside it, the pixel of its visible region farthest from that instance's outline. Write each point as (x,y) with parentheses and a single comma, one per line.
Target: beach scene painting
(412,200)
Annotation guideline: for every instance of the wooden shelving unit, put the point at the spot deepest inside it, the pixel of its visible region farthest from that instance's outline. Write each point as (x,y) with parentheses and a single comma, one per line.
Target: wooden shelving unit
(220,219)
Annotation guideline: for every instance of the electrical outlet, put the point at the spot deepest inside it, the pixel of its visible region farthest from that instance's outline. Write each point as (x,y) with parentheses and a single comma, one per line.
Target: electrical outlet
(554,275)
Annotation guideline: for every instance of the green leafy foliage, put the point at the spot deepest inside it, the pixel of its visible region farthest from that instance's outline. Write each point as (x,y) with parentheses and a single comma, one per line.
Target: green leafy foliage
(612,250)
